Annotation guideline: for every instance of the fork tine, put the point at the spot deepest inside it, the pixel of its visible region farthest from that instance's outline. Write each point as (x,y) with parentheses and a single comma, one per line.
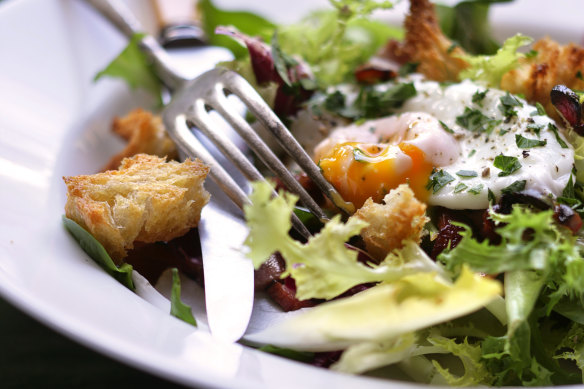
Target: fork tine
(235,84)
(183,136)
(190,145)
(253,140)
(200,117)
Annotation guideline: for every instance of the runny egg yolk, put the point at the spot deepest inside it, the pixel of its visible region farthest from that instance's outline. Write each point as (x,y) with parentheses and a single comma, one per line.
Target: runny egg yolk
(359,171)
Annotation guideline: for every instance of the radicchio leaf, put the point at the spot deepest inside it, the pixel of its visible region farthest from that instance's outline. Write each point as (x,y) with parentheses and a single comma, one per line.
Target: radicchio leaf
(292,90)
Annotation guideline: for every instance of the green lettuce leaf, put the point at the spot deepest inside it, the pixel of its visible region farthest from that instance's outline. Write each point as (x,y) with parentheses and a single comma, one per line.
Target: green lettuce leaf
(246,22)
(97,252)
(385,311)
(572,347)
(134,67)
(324,267)
(366,356)
(177,307)
(333,43)
(490,69)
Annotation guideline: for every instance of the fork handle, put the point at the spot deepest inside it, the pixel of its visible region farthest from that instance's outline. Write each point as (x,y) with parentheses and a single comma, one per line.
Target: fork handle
(125,21)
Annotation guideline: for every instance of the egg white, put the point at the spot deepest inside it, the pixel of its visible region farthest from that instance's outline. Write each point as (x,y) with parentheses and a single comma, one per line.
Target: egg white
(545,169)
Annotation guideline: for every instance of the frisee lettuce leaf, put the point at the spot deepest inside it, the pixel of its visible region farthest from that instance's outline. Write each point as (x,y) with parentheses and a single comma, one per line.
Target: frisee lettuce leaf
(177,307)
(475,371)
(97,252)
(134,67)
(334,42)
(491,68)
(324,267)
(385,311)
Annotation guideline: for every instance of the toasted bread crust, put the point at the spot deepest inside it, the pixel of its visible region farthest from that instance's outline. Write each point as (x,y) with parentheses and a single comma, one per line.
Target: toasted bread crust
(145,135)
(146,200)
(554,64)
(400,218)
(439,60)
(425,44)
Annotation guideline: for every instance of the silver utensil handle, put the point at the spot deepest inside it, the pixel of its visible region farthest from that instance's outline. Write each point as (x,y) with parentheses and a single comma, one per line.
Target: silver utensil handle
(123,19)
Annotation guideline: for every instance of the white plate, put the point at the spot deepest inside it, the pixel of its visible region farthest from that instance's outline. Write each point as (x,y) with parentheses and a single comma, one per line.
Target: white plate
(54,121)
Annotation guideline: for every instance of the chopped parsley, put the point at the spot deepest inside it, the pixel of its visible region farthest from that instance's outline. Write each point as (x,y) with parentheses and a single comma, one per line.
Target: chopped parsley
(554,129)
(460,187)
(477,189)
(474,121)
(371,102)
(517,186)
(508,105)
(438,180)
(466,173)
(478,97)
(525,143)
(540,110)
(491,196)
(472,152)
(508,165)
(446,128)
(360,156)
(408,68)
(536,128)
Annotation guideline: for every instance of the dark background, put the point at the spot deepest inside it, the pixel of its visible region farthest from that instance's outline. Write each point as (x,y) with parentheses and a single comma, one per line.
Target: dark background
(34,356)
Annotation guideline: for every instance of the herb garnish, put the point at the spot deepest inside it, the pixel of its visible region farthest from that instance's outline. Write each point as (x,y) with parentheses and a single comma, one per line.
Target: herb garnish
(508,104)
(438,180)
(540,110)
(371,102)
(536,128)
(445,127)
(460,187)
(554,129)
(507,164)
(474,121)
(466,173)
(478,97)
(517,186)
(525,143)
(476,189)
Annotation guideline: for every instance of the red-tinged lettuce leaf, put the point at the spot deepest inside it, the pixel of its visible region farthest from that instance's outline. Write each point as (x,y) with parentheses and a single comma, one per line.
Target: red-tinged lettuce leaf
(177,307)
(270,65)
(246,22)
(98,253)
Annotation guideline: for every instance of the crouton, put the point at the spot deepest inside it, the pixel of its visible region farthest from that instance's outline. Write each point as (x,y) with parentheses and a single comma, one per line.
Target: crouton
(425,44)
(440,60)
(400,217)
(552,65)
(145,135)
(146,200)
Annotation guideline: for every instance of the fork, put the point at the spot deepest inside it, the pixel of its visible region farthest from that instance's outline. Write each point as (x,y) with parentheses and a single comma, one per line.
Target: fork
(189,108)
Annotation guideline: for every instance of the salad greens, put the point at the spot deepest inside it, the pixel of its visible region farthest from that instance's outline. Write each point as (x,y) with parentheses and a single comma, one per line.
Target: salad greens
(324,267)
(491,68)
(97,252)
(134,67)
(416,313)
(467,24)
(177,307)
